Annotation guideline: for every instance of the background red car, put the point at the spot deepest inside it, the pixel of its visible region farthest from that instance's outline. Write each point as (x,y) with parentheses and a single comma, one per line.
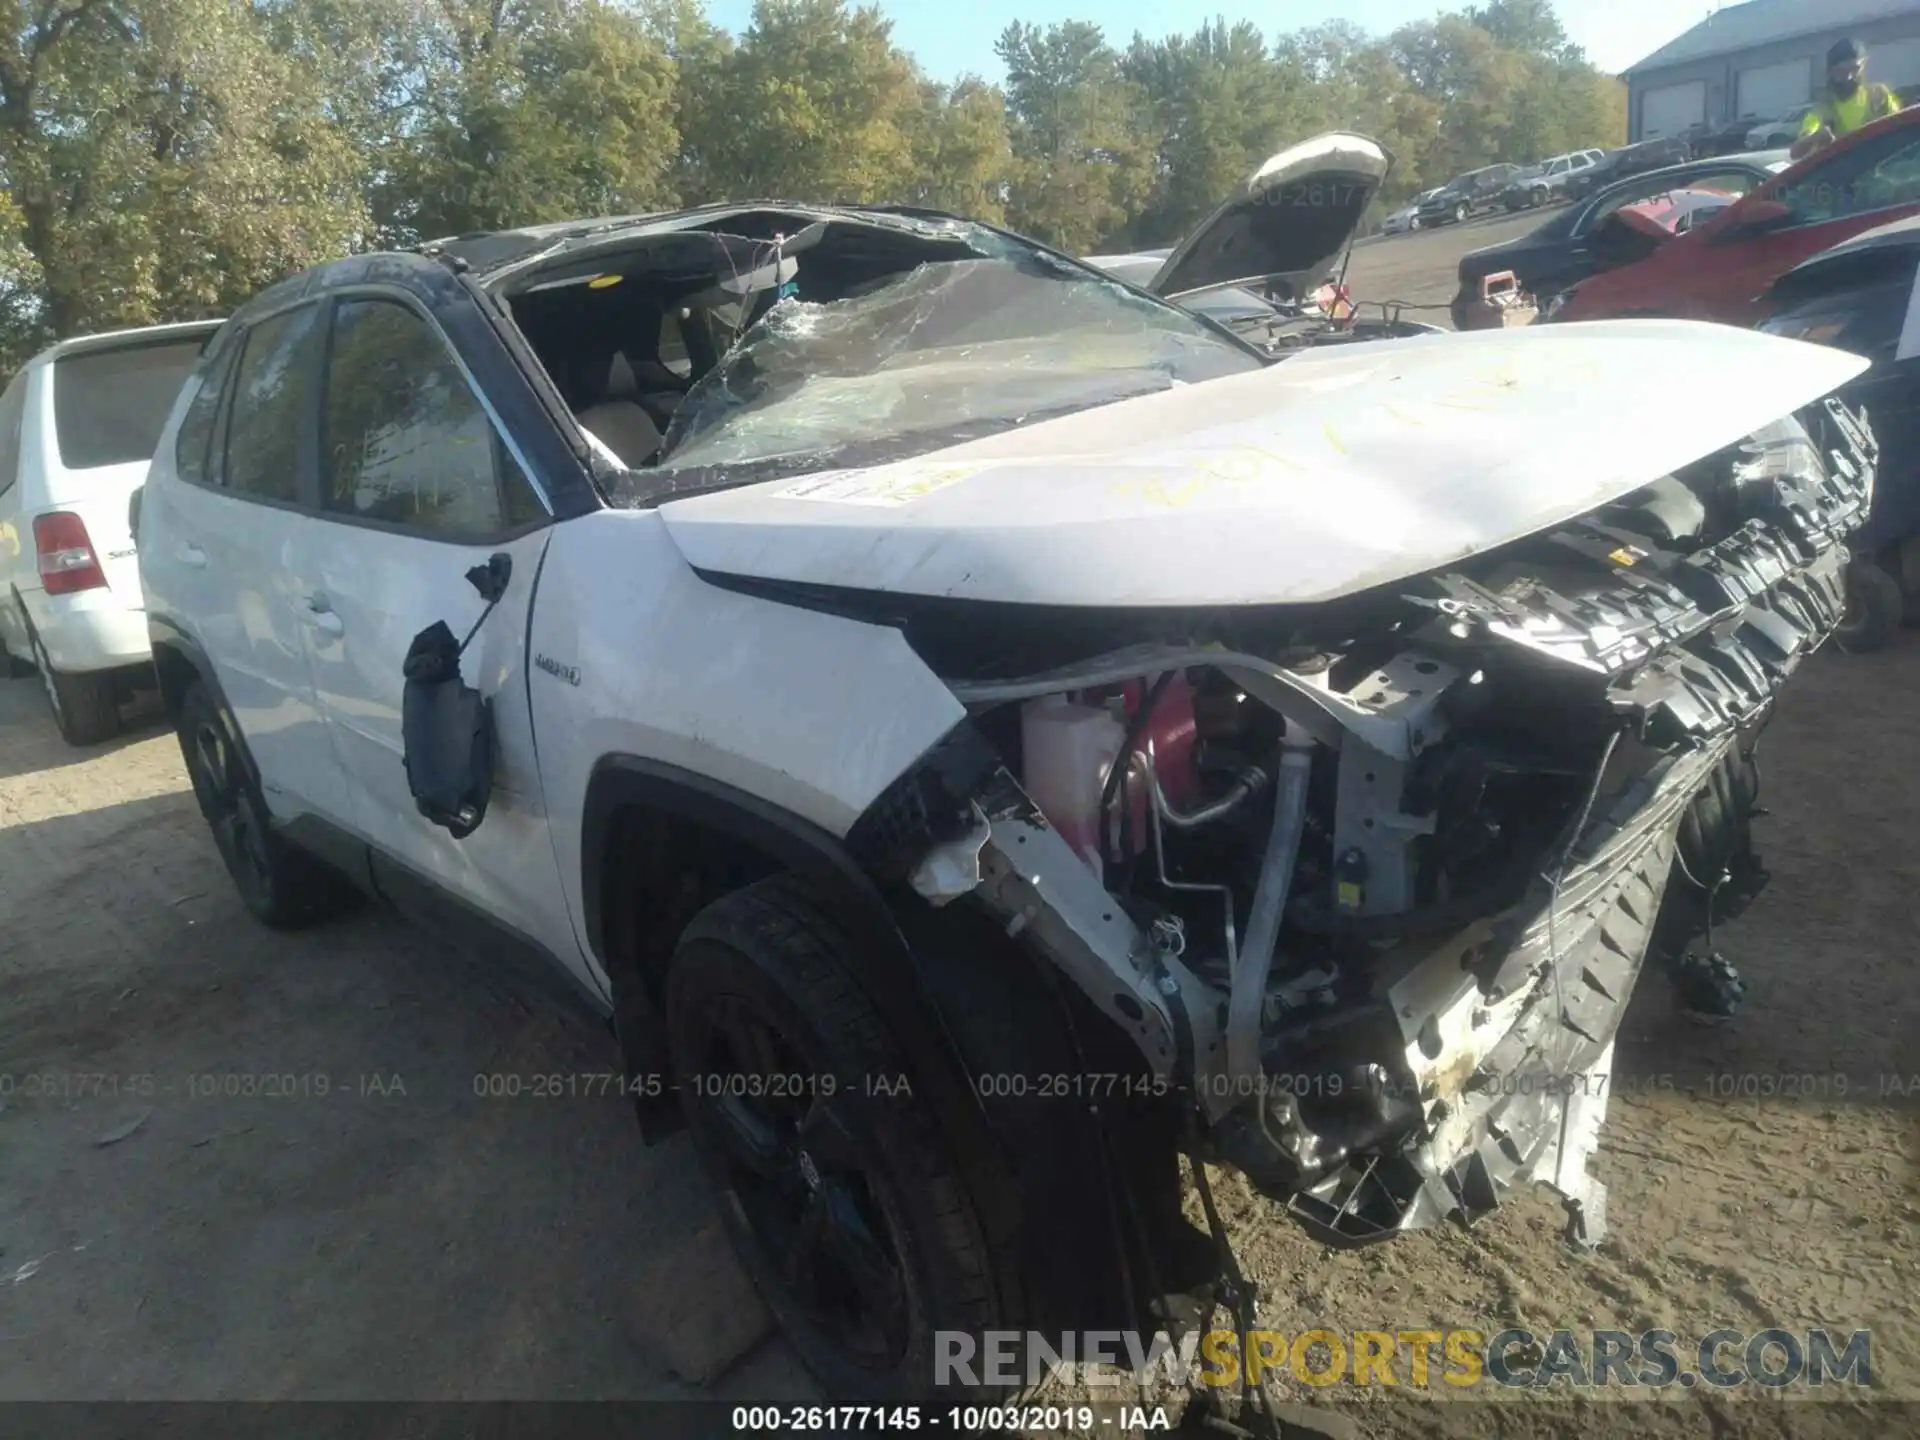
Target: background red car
(1719,268)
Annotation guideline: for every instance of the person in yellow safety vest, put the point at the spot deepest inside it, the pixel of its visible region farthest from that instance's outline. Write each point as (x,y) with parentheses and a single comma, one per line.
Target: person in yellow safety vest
(1850,101)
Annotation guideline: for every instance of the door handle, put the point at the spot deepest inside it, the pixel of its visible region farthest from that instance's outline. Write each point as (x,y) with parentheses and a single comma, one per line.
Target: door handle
(320,615)
(191,554)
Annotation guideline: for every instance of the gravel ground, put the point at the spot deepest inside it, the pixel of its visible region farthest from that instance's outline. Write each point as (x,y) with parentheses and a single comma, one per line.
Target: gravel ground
(400,1237)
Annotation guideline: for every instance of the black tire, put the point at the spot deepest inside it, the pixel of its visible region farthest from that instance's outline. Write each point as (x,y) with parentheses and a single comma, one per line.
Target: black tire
(1874,607)
(846,1207)
(12,667)
(282,886)
(86,707)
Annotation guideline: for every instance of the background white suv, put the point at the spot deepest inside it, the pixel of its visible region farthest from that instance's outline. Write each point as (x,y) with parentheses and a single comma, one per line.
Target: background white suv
(77,428)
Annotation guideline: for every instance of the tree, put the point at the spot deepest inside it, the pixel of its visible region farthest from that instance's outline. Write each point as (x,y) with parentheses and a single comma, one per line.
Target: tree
(1219,105)
(1527,27)
(815,102)
(164,160)
(530,110)
(961,157)
(1082,161)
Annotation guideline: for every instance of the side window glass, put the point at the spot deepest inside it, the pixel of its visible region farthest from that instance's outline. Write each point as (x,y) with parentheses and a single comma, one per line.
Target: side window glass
(405,440)
(269,405)
(1878,175)
(13,405)
(195,438)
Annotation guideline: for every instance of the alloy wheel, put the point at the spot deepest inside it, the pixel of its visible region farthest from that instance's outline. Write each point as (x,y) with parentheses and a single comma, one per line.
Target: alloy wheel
(799,1181)
(220,784)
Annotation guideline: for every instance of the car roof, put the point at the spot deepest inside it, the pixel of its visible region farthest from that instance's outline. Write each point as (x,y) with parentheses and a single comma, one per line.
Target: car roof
(118,339)
(489,257)
(1766,160)
(488,252)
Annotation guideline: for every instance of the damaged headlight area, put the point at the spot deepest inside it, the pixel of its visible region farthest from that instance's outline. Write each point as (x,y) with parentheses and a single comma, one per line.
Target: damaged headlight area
(1375,896)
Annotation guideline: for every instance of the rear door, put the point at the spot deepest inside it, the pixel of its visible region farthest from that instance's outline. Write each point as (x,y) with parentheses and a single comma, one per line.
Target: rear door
(226,543)
(418,485)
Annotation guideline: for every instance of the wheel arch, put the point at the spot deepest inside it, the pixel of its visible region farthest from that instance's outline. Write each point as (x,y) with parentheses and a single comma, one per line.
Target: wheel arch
(179,661)
(962,998)
(659,842)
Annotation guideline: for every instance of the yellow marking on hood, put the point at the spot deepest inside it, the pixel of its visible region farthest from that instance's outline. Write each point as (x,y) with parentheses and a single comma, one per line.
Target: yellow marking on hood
(1166,495)
(1326,427)
(1237,467)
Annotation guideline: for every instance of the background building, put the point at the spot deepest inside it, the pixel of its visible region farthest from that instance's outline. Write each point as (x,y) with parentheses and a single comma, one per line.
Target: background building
(1764,58)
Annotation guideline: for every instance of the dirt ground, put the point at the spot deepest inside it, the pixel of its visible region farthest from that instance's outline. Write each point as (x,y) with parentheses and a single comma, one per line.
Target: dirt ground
(397,1237)
(401,1237)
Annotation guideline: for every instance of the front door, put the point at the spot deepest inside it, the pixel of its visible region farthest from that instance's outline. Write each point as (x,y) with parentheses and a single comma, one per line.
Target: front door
(417,487)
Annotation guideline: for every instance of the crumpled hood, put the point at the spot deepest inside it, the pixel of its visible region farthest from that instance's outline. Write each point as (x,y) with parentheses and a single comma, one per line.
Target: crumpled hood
(1326,475)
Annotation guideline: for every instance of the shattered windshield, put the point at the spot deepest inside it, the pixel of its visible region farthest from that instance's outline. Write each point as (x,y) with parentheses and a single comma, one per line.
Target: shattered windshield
(929,357)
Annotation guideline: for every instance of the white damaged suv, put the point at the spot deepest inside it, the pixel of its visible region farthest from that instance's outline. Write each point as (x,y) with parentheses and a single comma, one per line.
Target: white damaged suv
(983,733)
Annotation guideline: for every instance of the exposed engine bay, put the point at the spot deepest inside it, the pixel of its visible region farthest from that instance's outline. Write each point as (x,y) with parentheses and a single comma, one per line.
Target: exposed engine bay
(1378,883)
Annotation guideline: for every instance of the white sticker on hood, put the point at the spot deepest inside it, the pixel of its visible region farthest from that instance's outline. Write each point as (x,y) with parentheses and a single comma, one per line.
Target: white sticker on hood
(889,485)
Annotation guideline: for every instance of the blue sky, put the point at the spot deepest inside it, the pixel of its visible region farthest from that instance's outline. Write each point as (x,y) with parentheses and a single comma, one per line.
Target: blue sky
(950,37)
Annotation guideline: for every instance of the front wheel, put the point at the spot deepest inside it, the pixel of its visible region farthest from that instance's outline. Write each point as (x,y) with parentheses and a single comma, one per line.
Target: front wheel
(843,1202)
(281,886)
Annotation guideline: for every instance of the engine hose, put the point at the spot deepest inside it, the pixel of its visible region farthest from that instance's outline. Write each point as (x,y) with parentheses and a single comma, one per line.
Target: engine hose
(1247,784)
(1135,729)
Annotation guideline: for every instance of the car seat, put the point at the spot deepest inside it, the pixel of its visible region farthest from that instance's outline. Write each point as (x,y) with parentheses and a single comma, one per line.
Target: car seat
(616,415)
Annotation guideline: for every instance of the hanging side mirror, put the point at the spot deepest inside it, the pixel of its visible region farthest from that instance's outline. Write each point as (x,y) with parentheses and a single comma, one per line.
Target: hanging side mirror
(446,726)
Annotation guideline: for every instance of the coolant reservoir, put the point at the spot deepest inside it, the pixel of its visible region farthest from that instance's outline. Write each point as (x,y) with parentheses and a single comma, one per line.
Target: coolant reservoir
(1068,750)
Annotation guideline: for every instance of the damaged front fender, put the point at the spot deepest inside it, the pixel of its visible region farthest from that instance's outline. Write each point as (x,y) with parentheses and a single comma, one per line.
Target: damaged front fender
(1501,786)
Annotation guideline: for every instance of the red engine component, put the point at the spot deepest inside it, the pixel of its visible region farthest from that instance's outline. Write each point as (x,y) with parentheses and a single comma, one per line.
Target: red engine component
(1168,735)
